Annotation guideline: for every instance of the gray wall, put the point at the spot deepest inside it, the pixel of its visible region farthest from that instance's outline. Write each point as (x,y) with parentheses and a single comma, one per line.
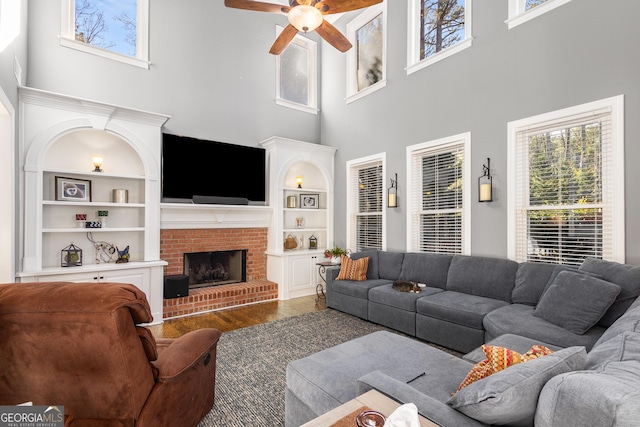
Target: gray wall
(583,51)
(211,72)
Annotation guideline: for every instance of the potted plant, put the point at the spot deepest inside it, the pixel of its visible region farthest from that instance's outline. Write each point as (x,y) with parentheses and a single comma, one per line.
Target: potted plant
(336,254)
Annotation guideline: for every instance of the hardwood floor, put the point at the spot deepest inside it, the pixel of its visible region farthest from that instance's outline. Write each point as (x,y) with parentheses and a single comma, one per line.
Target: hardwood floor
(239,317)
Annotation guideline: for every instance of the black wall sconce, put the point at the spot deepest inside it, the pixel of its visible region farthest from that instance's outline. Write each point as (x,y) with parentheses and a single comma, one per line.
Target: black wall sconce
(485,183)
(392,194)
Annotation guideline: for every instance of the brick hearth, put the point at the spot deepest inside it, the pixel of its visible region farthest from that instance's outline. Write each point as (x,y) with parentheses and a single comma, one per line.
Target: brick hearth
(174,243)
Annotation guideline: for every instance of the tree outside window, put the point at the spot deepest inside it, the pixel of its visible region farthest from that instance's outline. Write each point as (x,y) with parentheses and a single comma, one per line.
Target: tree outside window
(442,25)
(106,24)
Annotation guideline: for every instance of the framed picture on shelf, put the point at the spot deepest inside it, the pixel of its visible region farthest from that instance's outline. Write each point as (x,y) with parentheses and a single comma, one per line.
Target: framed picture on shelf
(73,189)
(309,201)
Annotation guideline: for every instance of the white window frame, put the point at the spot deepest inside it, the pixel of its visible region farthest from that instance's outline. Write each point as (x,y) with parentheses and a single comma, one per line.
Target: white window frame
(414,190)
(353,166)
(413,43)
(365,17)
(614,105)
(518,15)
(312,47)
(68,36)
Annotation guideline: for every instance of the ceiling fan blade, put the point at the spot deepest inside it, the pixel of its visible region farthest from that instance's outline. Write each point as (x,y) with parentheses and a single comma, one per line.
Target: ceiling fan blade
(333,36)
(328,7)
(283,40)
(257,6)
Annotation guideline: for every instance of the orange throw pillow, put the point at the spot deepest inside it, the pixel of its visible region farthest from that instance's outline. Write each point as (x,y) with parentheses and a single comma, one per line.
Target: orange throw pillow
(353,269)
(498,359)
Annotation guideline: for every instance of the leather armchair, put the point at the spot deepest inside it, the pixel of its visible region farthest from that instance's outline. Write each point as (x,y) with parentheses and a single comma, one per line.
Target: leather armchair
(80,345)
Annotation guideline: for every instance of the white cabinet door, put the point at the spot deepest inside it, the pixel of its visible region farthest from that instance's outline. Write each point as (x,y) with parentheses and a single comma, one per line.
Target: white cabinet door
(303,275)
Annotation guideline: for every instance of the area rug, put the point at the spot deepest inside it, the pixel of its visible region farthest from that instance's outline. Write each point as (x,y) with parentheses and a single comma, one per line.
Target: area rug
(251,364)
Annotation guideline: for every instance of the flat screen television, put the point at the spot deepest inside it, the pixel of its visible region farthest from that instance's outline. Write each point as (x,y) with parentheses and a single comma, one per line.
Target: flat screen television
(213,172)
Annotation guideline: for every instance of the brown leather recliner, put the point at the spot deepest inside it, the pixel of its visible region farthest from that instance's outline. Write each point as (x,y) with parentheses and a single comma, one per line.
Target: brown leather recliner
(77,345)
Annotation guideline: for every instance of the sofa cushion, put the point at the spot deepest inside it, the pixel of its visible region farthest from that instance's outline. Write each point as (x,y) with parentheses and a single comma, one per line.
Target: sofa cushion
(510,397)
(518,319)
(372,254)
(353,269)
(531,280)
(430,269)
(576,301)
(630,321)
(390,264)
(386,295)
(623,347)
(486,277)
(624,275)
(515,342)
(355,288)
(459,308)
(499,358)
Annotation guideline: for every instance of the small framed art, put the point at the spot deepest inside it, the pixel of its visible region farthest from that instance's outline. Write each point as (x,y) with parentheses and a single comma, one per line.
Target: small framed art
(73,189)
(309,201)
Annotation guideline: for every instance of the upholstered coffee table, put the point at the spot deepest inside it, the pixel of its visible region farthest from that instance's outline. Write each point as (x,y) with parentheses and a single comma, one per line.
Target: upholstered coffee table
(371,399)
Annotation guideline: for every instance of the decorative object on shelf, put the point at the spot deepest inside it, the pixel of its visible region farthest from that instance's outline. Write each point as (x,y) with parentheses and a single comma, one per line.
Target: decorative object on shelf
(105,251)
(309,201)
(102,216)
(290,242)
(123,256)
(302,242)
(299,181)
(92,224)
(73,189)
(81,218)
(299,222)
(335,254)
(313,242)
(97,160)
(485,183)
(71,256)
(119,195)
(392,193)
(292,201)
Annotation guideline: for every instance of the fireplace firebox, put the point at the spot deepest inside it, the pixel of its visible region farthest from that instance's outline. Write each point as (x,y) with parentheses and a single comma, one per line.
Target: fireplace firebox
(215,268)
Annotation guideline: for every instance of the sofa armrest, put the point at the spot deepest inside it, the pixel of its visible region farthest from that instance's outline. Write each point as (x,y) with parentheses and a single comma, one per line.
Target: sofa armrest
(178,355)
(430,408)
(331,275)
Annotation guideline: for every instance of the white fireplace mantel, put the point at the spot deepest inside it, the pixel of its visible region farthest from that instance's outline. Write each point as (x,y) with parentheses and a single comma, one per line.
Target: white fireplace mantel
(189,216)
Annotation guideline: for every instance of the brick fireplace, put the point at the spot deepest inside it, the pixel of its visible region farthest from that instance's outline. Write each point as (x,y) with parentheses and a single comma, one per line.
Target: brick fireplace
(175,242)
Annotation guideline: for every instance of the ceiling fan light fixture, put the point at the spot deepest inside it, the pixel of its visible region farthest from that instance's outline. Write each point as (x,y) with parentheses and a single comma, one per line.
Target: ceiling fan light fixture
(305,18)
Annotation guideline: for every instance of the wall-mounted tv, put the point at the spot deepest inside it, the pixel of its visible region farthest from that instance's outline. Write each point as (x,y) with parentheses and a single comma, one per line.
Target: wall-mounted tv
(201,171)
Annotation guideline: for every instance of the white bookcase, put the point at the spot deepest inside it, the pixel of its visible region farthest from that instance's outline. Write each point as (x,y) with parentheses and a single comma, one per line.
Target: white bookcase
(295,270)
(60,135)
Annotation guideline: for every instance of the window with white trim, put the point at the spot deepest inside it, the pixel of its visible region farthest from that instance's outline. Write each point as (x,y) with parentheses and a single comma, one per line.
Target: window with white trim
(120,33)
(365,203)
(296,74)
(521,11)
(366,61)
(567,198)
(437,29)
(439,196)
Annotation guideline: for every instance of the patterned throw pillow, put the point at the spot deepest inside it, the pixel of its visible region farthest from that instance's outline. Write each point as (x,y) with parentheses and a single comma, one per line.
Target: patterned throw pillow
(353,269)
(498,359)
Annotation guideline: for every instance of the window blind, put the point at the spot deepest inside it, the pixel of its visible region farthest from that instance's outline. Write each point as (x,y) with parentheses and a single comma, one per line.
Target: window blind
(564,190)
(365,204)
(437,199)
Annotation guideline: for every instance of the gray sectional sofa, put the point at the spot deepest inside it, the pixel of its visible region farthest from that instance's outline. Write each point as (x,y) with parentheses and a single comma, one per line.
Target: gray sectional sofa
(590,317)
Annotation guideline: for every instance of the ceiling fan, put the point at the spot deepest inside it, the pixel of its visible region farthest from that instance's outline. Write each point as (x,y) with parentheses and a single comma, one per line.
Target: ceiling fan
(306,15)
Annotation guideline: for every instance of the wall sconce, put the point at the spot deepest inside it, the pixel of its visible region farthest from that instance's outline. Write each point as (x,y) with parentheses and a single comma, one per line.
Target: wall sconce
(299,181)
(485,183)
(97,160)
(392,194)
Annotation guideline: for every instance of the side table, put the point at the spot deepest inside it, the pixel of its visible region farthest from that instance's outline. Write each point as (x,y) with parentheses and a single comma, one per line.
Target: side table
(372,399)
(322,272)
